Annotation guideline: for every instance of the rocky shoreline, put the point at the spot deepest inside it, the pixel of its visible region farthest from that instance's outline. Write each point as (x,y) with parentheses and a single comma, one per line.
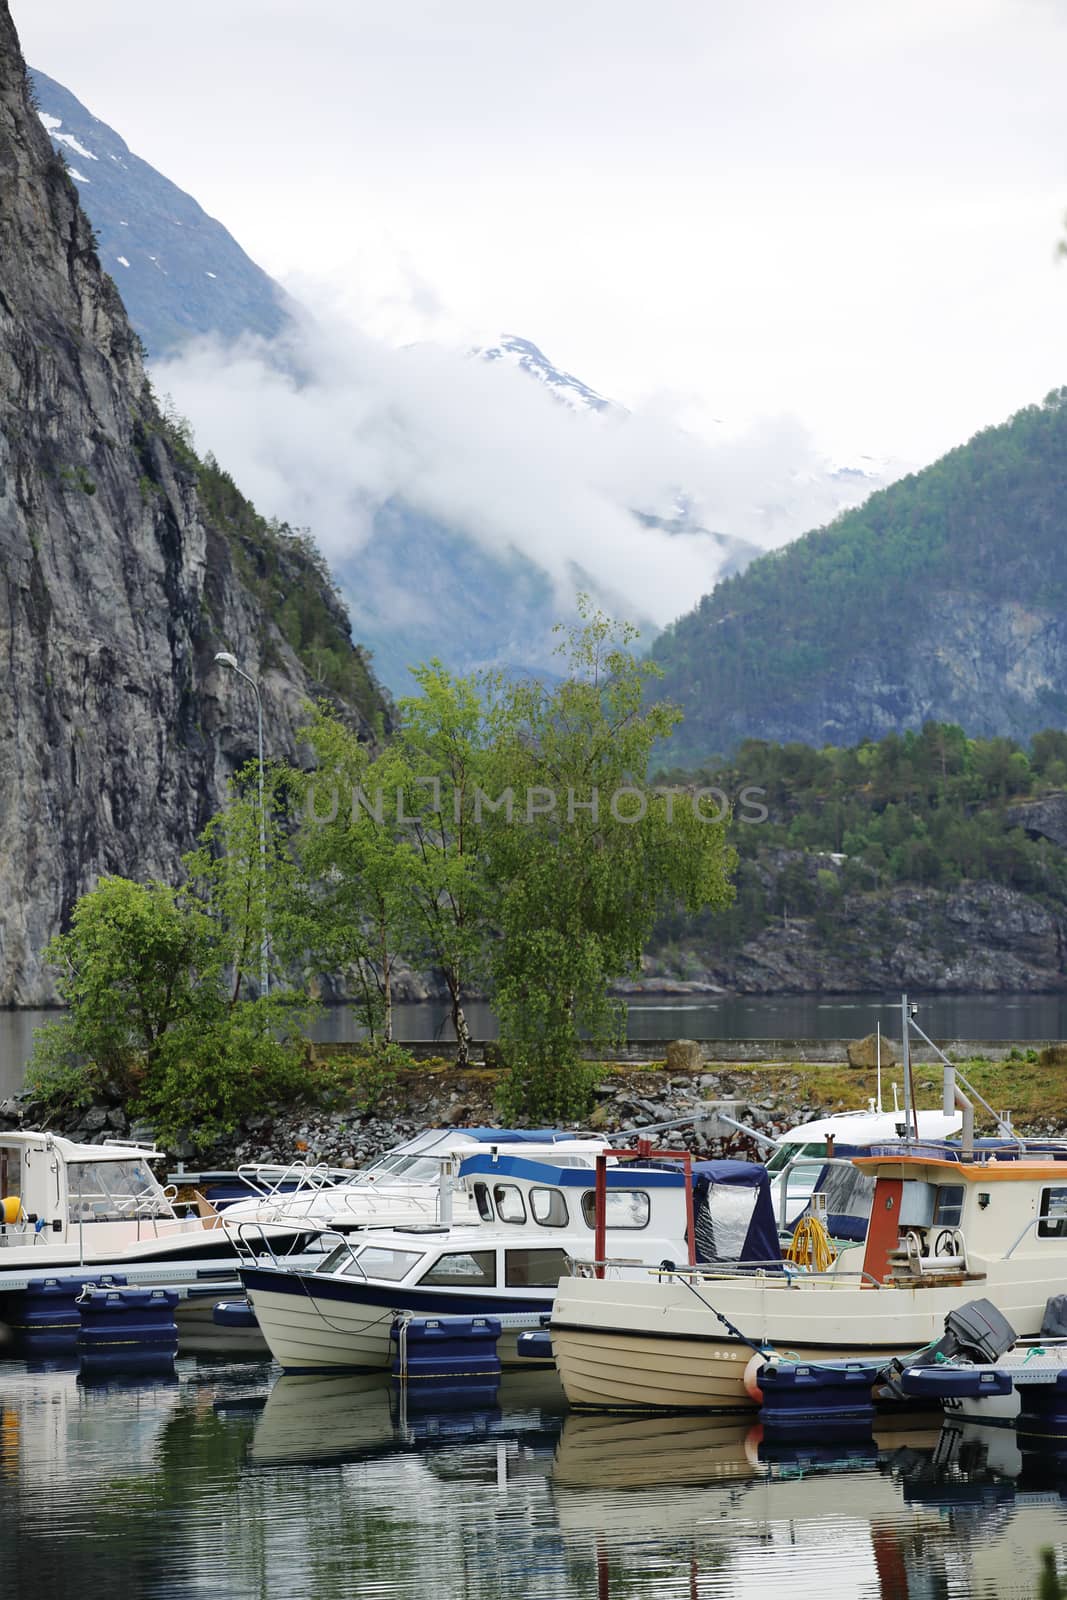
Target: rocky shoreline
(768,1096)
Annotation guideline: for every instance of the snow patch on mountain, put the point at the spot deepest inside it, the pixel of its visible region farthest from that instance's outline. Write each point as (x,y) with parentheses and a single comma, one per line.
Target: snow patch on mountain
(570,391)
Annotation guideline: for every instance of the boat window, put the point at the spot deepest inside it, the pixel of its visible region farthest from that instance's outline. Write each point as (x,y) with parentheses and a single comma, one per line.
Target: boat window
(509,1204)
(948,1207)
(113,1191)
(336,1259)
(471,1268)
(1053,1219)
(723,1221)
(403,1169)
(549,1208)
(534,1269)
(378,1262)
(483,1202)
(626,1208)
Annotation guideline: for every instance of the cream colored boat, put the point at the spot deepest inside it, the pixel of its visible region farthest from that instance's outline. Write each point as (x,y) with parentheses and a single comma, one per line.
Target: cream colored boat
(942,1232)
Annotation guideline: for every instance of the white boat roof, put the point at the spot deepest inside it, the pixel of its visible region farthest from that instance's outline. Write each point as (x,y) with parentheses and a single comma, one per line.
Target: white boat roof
(71,1150)
(871,1127)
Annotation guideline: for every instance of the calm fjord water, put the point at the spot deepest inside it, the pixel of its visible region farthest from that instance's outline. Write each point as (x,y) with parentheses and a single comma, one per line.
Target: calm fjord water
(235,1482)
(1010,1016)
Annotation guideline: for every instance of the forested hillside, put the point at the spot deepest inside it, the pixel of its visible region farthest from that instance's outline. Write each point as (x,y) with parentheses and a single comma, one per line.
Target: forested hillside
(943,597)
(928,858)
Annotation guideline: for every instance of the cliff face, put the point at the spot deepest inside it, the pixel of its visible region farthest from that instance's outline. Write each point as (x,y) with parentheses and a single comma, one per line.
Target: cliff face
(117,586)
(975,938)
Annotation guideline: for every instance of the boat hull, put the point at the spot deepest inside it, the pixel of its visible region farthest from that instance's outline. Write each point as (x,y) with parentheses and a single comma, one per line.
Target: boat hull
(313,1323)
(658,1346)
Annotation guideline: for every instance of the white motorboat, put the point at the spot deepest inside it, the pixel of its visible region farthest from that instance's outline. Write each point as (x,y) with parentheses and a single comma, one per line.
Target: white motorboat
(68,1208)
(414,1183)
(534,1220)
(798,1163)
(942,1231)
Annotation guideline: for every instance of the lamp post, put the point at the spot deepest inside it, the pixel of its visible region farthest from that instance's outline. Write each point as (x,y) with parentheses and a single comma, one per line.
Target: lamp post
(226,659)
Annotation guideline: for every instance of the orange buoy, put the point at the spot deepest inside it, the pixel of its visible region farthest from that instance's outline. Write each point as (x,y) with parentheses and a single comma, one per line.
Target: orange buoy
(750,1379)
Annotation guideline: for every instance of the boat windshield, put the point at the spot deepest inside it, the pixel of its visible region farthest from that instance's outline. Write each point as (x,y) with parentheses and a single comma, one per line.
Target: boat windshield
(113,1191)
(787,1152)
(403,1169)
(371,1261)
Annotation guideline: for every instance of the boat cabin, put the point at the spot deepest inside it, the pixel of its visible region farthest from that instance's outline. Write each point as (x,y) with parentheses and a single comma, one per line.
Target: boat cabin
(797,1163)
(535,1218)
(54,1190)
(937,1218)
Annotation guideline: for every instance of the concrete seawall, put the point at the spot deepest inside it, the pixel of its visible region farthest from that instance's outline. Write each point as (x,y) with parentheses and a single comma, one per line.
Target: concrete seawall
(641,1051)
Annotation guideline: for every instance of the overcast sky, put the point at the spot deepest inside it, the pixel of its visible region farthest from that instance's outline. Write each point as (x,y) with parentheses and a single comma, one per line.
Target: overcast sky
(842,212)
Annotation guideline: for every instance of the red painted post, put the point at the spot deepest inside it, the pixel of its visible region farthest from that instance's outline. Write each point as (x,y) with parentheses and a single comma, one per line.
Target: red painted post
(600,1237)
(690,1225)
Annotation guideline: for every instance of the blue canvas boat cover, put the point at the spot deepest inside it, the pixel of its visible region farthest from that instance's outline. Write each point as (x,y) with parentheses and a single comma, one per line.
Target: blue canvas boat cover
(760,1242)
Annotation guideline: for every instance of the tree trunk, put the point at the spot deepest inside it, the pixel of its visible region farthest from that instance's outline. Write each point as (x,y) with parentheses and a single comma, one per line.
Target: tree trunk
(459,1024)
(387,986)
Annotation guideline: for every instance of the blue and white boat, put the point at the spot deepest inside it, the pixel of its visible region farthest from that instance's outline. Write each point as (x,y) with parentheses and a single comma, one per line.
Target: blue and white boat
(536,1223)
(416,1182)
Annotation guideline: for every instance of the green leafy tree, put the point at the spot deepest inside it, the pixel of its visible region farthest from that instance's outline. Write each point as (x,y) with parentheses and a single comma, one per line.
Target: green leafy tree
(153,978)
(588,859)
(138,964)
(357,865)
(446,737)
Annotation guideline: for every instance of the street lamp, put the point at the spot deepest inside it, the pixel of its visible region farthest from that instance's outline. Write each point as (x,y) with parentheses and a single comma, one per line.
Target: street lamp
(225,659)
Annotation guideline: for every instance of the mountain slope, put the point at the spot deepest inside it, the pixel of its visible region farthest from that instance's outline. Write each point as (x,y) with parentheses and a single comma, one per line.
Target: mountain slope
(456,565)
(124,566)
(179,272)
(943,597)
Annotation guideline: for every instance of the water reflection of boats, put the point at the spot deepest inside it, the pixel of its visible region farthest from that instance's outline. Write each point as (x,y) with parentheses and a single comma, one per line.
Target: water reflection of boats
(911,1511)
(53,1425)
(328,1418)
(608,1452)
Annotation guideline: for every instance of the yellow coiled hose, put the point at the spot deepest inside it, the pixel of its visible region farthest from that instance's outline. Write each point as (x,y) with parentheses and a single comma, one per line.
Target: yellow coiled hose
(811,1246)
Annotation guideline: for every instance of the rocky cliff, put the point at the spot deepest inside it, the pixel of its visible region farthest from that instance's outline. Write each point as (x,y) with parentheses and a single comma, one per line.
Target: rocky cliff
(975,938)
(117,583)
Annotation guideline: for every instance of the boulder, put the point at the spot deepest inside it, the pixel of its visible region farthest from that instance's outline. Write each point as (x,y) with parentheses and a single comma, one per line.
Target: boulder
(864,1052)
(685,1055)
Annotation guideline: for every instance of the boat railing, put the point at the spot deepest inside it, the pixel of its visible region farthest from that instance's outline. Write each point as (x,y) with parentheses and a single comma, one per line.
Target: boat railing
(786,1273)
(1017,1241)
(782,1180)
(268,1179)
(252,1241)
(993,1150)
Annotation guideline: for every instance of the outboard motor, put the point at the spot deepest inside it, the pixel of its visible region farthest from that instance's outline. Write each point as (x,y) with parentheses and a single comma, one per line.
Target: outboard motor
(976,1332)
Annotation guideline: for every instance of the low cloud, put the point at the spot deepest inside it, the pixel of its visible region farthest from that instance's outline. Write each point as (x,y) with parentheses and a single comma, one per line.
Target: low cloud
(327,426)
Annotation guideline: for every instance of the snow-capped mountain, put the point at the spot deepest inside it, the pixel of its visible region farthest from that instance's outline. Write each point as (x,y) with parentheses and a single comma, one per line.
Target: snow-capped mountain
(179,272)
(461,513)
(511,351)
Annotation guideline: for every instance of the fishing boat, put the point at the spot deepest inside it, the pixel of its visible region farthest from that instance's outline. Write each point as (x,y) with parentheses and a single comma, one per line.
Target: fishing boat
(535,1220)
(944,1228)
